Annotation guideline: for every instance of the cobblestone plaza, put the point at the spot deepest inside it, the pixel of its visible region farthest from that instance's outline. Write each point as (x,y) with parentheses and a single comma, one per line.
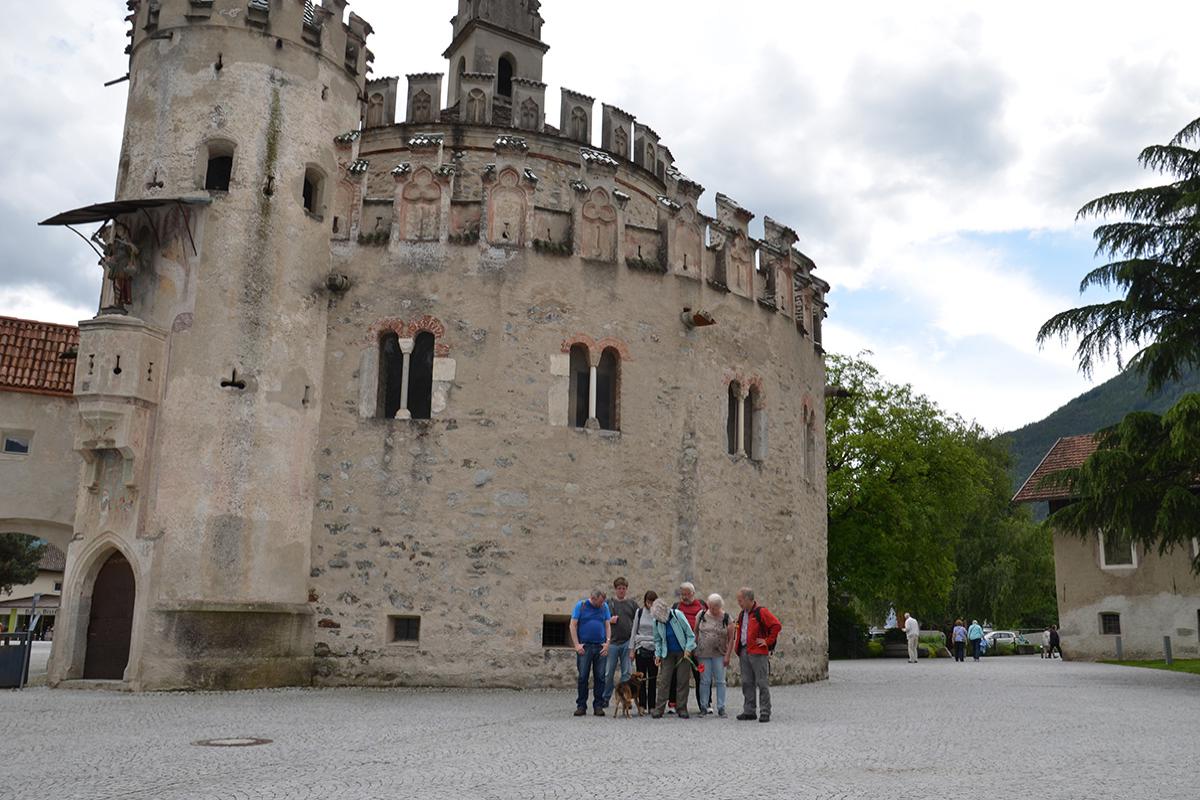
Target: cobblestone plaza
(1012,728)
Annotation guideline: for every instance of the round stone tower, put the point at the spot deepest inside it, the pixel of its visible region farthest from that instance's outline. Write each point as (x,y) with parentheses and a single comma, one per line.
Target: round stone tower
(202,375)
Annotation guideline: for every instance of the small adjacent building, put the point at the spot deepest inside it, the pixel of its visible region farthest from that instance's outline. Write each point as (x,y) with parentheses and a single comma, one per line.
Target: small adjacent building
(17,608)
(1109,588)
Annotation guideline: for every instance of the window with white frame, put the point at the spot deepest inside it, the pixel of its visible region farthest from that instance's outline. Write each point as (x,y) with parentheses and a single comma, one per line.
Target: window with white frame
(16,443)
(1117,552)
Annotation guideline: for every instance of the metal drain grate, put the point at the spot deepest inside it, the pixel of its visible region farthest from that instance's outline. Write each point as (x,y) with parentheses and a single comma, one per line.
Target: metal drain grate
(244,741)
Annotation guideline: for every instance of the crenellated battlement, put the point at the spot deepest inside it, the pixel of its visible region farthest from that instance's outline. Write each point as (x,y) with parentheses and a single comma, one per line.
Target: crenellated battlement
(322,28)
(411,186)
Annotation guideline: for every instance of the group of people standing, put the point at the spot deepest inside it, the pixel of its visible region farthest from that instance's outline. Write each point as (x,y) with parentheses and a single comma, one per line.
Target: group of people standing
(673,646)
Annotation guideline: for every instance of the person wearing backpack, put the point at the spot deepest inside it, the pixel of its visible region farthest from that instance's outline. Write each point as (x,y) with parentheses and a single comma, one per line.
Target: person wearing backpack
(715,638)
(757,632)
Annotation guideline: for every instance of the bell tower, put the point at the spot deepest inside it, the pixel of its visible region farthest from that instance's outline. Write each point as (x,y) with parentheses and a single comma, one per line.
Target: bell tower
(497,37)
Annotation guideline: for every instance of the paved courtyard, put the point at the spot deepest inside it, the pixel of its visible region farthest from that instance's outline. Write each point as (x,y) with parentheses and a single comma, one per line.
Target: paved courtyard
(1007,728)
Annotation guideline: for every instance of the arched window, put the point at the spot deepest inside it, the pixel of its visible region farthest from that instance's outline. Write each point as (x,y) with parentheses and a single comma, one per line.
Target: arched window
(731,423)
(420,382)
(608,389)
(579,399)
(391,376)
(750,420)
(218,165)
(504,76)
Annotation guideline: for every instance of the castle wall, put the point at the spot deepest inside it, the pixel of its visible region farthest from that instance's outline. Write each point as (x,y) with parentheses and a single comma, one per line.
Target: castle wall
(494,513)
(232,410)
(202,446)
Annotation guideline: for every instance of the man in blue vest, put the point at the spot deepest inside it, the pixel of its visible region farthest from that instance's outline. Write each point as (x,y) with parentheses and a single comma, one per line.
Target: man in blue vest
(591,633)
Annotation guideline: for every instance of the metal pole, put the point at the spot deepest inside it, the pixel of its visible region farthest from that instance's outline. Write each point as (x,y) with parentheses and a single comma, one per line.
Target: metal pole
(1167,650)
(1120,650)
(29,642)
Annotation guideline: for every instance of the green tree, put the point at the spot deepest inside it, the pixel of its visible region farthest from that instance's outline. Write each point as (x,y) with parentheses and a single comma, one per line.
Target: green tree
(1155,264)
(904,479)
(1004,561)
(19,557)
(1141,481)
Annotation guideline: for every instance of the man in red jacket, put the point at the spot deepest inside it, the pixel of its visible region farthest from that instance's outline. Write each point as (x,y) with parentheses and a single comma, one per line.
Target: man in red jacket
(758,630)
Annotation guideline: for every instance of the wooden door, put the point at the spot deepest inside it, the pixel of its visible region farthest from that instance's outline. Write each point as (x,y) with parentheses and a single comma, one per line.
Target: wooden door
(110,624)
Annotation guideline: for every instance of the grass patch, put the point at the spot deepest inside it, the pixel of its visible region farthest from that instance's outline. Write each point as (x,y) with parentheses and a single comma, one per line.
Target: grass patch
(1190,665)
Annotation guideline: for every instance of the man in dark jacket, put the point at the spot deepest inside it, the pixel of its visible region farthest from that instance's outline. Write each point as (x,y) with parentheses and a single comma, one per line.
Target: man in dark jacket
(758,630)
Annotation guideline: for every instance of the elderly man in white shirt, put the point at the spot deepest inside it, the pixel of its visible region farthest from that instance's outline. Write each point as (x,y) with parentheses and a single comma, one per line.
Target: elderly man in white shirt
(913,629)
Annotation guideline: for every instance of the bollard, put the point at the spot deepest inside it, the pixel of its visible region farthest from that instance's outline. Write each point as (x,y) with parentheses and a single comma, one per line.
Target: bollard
(1120,650)
(1167,650)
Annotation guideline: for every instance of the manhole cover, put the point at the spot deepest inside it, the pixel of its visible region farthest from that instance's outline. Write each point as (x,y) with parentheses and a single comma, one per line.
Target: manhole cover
(244,741)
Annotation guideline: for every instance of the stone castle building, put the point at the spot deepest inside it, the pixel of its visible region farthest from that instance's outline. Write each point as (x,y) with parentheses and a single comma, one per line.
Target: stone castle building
(374,401)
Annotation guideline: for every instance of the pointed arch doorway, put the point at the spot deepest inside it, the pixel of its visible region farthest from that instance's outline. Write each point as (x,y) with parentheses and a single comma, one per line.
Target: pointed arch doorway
(110,621)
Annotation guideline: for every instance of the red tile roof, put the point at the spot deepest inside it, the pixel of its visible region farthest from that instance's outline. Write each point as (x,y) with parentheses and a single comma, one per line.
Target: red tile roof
(1068,452)
(30,356)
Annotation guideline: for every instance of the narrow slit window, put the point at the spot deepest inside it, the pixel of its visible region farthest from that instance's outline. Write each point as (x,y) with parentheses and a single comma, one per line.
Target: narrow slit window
(580,390)
(608,383)
(750,420)
(734,402)
(420,382)
(391,375)
(313,190)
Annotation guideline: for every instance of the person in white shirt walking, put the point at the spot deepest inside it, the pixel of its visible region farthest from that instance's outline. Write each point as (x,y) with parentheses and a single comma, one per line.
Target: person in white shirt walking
(913,629)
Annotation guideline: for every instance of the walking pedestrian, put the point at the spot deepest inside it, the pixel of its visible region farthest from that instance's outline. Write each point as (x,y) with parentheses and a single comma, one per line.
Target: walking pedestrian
(1046,644)
(591,629)
(758,630)
(1056,643)
(715,642)
(674,648)
(975,637)
(619,652)
(912,629)
(643,650)
(959,637)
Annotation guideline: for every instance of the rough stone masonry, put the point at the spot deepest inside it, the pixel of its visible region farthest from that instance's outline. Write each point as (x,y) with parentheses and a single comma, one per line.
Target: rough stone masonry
(375,402)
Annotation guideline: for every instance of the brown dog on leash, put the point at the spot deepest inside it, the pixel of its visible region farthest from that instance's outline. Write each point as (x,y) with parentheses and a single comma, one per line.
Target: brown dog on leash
(628,694)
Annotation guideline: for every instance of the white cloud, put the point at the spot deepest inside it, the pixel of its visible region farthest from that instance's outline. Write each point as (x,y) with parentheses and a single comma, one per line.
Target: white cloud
(883,134)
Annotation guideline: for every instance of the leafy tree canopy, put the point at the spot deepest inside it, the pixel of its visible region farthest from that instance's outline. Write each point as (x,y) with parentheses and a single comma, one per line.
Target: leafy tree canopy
(1155,252)
(19,557)
(1141,482)
(904,478)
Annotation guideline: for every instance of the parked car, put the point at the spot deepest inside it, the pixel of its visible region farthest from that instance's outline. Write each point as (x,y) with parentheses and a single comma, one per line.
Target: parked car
(1004,637)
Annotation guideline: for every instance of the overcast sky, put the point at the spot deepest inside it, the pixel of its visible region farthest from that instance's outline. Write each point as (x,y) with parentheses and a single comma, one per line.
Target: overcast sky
(931,155)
